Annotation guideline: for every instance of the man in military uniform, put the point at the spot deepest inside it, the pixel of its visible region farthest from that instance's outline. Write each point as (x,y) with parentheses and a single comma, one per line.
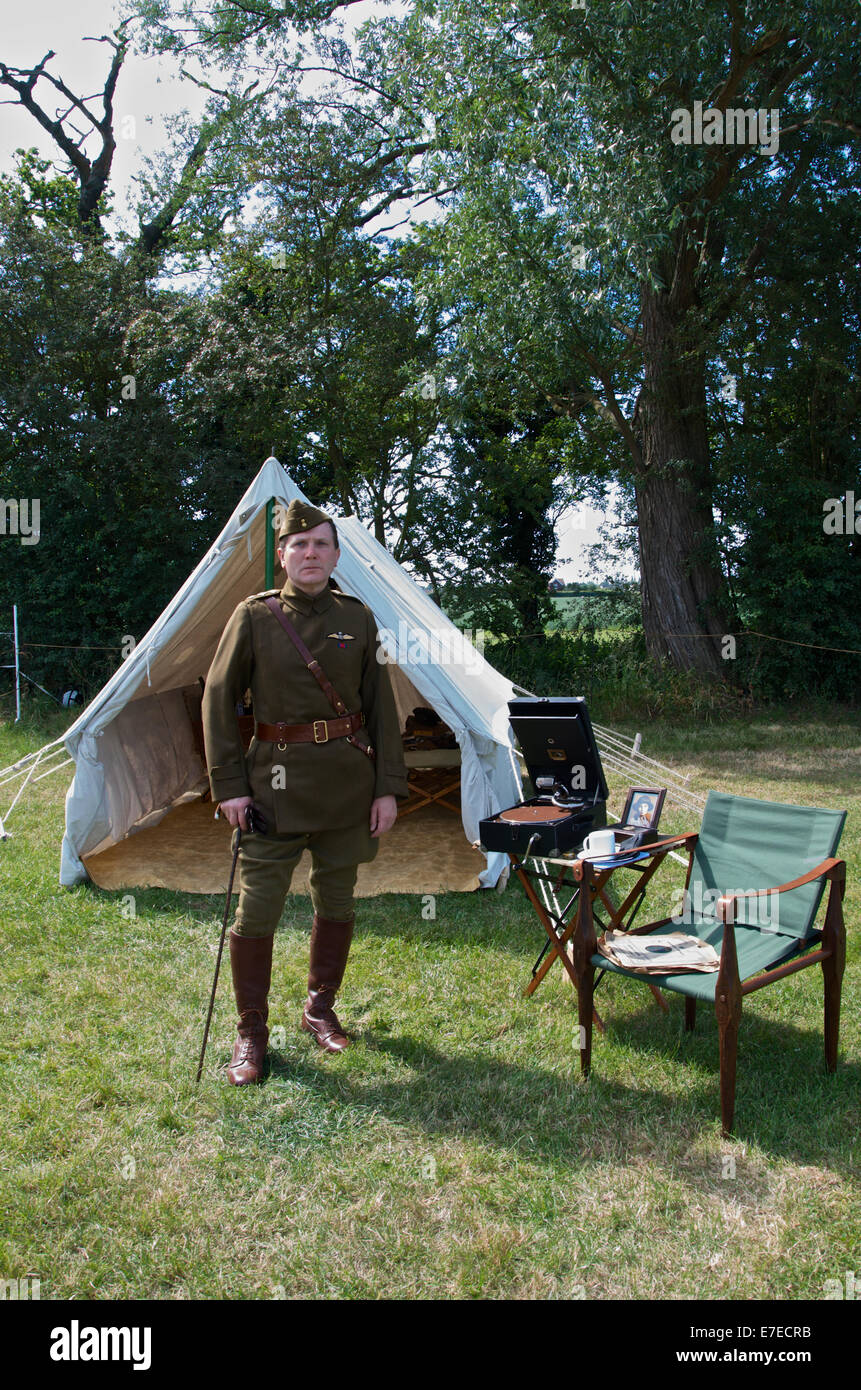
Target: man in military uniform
(325,767)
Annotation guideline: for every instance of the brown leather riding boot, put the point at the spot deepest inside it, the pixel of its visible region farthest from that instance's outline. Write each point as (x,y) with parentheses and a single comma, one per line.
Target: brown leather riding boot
(251,962)
(330,947)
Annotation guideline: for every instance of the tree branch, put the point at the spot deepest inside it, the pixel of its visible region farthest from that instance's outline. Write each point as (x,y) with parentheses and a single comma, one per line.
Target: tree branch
(154,232)
(92,175)
(770,230)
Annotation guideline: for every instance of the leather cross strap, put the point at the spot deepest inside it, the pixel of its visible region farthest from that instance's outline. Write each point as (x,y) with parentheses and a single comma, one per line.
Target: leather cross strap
(313,665)
(322,680)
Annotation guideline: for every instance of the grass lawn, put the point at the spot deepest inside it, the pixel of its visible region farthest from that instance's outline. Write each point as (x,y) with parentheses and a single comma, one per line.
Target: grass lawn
(453,1151)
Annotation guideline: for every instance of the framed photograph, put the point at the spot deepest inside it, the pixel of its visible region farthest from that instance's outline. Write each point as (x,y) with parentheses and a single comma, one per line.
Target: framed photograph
(643,807)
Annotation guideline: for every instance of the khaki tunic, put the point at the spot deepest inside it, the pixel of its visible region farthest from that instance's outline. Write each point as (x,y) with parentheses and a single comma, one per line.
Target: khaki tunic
(306,787)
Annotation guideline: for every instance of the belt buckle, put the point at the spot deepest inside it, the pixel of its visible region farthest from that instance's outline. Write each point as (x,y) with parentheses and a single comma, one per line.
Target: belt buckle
(282,746)
(325,738)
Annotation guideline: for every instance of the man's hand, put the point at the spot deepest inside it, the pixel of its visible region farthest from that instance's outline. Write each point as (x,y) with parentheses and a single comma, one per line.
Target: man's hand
(234,810)
(384,813)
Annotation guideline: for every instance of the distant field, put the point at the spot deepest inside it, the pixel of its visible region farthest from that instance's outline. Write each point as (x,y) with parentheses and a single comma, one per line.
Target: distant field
(597,608)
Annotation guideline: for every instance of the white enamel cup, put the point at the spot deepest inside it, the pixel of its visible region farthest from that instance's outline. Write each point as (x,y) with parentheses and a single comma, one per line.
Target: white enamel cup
(601,844)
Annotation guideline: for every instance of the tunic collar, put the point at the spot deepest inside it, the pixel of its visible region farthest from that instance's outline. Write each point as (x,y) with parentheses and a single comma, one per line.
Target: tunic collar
(305,603)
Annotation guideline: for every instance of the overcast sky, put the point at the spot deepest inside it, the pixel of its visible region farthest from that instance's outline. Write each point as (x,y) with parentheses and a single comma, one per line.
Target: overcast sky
(147,91)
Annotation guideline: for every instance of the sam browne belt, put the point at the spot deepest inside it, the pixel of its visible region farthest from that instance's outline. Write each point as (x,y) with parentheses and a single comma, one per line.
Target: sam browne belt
(308,733)
(321,731)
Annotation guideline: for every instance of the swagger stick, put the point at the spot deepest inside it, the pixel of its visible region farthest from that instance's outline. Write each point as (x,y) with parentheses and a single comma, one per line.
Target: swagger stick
(220,951)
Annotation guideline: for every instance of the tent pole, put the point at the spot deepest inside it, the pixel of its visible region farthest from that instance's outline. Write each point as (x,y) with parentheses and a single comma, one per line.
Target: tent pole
(270,545)
(17,663)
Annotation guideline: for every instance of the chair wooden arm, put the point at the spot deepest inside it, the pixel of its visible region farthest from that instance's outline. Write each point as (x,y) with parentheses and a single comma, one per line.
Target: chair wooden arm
(829,868)
(729,983)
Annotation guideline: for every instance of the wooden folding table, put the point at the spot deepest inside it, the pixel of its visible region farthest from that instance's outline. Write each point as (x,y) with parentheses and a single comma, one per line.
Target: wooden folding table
(546,881)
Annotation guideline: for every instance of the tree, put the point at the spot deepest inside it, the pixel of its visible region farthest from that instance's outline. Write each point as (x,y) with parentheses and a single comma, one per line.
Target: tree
(308,341)
(788,442)
(584,217)
(86,438)
(503,494)
(192,190)
(591,280)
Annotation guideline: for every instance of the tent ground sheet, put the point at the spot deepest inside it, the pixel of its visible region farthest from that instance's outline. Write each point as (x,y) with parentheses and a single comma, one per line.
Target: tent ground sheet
(190,851)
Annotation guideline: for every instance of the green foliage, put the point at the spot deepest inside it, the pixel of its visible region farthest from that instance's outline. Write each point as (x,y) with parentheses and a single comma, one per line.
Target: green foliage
(503,497)
(220,28)
(456,384)
(48,197)
(89,440)
(789,442)
(590,255)
(611,669)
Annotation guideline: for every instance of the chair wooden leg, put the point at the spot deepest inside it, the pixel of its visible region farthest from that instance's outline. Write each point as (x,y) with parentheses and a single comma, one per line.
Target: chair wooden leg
(584,944)
(690,1013)
(728,1011)
(584,1017)
(832,983)
(728,1055)
(833,940)
(659,998)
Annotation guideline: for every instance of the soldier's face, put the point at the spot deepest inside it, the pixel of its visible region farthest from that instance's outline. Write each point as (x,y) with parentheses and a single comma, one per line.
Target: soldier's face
(309,557)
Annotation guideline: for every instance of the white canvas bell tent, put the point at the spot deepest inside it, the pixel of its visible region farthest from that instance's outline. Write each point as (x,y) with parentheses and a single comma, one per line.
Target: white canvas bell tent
(136,754)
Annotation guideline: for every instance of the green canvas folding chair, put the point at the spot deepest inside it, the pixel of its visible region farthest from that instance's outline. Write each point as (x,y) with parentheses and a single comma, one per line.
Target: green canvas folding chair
(756,875)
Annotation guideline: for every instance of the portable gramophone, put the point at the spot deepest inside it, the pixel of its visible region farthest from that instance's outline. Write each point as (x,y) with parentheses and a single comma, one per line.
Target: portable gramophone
(565,770)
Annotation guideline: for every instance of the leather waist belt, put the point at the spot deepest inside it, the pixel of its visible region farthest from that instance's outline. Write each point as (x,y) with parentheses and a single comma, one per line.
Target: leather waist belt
(319,732)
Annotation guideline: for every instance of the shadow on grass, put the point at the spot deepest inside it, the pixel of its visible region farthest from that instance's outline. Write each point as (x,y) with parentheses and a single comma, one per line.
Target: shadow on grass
(787,1108)
(786,1101)
(545,1115)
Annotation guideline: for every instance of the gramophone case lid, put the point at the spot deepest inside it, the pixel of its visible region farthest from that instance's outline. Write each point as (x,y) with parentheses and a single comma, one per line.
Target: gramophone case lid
(556,733)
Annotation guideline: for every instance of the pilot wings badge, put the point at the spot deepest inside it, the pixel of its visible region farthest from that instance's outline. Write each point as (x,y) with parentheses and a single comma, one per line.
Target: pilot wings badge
(342,638)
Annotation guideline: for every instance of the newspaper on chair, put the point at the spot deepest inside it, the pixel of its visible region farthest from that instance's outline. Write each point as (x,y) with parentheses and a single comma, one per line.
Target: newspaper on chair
(658,955)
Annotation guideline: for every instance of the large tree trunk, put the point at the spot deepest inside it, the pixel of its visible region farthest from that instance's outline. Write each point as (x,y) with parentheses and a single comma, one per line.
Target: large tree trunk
(685,609)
